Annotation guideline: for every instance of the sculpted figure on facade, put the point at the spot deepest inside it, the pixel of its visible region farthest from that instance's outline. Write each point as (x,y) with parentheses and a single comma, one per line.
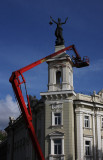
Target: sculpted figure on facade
(58,31)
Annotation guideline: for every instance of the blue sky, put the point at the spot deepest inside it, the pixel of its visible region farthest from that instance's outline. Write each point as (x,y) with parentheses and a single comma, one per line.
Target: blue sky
(26,36)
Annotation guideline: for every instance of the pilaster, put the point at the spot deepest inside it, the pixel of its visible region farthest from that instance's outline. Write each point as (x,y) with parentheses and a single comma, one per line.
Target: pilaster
(79,127)
(94,138)
(98,126)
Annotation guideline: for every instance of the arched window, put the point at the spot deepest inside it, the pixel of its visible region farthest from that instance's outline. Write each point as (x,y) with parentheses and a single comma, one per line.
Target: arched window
(58,77)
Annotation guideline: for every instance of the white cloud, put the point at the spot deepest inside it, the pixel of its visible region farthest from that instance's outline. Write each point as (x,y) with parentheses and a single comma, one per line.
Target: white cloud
(8,108)
(96,66)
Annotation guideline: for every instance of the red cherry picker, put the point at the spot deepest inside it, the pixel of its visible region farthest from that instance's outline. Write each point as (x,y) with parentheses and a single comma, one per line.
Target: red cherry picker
(26,111)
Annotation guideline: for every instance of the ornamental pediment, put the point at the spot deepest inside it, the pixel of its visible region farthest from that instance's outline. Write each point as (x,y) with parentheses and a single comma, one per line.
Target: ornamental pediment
(56,133)
(57,106)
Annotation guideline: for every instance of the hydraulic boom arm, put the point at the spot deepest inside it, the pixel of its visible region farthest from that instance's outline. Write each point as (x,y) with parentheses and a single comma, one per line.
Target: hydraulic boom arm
(16,83)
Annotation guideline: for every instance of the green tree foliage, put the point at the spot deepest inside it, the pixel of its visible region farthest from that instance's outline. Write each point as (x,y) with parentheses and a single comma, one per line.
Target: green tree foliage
(3,135)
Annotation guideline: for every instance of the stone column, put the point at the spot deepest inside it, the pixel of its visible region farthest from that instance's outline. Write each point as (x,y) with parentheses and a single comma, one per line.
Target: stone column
(52,79)
(72,87)
(64,79)
(62,145)
(94,138)
(98,123)
(79,127)
(52,147)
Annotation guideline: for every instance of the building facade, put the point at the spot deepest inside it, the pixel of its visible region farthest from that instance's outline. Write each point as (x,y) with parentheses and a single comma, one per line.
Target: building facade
(69,125)
(19,145)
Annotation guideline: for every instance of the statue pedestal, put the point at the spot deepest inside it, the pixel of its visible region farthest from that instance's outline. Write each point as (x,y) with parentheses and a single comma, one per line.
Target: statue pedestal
(59,47)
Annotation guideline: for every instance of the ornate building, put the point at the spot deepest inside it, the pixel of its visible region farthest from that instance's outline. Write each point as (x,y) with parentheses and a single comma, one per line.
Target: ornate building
(69,125)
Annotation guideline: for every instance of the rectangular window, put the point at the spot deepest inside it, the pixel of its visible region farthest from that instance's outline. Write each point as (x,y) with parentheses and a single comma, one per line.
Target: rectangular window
(102,123)
(57,118)
(86,121)
(87,148)
(57,146)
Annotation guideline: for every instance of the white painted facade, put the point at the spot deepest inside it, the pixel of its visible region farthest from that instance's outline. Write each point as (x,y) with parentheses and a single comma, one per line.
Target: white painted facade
(93,132)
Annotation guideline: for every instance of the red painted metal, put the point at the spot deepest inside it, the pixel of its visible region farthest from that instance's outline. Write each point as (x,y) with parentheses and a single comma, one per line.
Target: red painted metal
(16,83)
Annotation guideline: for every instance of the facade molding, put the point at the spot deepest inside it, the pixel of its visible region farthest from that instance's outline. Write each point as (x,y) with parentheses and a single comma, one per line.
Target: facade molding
(91,104)
(58,101)
(69,92)
(83,103)
(79,126)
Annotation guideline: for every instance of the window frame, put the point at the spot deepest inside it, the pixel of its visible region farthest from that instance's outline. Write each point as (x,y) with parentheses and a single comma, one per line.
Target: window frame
(102,122)
(53,118)
(52,138)
(90,139)
(88,148)
(87,122)
(57,146)
(57,118)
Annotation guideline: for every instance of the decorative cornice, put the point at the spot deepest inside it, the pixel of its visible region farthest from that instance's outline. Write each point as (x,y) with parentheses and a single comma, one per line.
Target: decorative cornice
(85,103)
(58,94)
